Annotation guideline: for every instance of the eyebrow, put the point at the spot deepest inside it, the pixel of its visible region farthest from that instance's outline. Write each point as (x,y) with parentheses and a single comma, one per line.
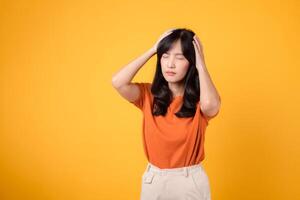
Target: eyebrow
(175,53)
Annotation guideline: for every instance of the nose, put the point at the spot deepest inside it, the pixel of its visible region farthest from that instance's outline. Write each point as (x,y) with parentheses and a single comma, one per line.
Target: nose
(170,62)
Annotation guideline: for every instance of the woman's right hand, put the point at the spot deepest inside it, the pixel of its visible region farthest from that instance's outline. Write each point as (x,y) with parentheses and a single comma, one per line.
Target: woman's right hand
(162,36)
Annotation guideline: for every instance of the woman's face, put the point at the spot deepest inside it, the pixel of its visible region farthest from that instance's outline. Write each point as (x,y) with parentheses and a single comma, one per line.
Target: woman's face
(174,61)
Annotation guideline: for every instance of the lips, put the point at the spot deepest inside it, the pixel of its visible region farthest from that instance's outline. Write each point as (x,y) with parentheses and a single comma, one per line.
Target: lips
(170,72)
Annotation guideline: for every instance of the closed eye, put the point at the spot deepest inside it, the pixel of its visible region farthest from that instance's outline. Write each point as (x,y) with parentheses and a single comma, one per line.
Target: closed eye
(165,56)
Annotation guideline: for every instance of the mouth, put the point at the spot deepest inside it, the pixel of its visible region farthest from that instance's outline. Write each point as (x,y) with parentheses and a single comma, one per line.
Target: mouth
(170,73)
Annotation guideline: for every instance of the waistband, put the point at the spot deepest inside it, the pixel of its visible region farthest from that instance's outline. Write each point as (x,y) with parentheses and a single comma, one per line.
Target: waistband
(177,171)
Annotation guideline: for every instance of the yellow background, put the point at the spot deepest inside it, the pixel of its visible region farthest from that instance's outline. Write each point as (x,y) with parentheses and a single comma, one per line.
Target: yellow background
(65,133)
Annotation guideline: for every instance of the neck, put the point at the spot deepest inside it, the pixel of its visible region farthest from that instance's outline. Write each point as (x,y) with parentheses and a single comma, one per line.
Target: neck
(177,89)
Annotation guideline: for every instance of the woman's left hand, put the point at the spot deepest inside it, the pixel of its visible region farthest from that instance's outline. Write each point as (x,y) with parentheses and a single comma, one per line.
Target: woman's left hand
(198,52)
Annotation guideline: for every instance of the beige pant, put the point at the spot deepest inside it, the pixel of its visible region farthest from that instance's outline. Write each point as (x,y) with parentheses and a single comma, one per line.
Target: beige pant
(184,183)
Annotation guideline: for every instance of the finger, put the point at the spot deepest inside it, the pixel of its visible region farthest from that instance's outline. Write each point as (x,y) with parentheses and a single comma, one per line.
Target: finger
(196,38)
(199,43)
(167,33)
(196,45)
(164,35)
(196,49)
(170,30)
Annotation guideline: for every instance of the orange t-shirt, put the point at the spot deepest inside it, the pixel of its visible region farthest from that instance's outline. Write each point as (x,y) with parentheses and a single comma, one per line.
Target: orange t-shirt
(169,141)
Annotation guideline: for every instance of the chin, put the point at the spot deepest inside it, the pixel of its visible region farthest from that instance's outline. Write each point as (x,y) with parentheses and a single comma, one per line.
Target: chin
(172,80)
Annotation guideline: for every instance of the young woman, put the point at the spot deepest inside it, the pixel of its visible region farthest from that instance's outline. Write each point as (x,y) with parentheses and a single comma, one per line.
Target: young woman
(177,107)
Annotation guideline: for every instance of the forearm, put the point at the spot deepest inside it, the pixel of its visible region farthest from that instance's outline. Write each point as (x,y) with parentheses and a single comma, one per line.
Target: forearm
(126,73)
(209,96)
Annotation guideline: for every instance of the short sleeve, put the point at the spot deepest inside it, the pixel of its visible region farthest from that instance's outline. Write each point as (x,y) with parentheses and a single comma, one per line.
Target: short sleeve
(143,94)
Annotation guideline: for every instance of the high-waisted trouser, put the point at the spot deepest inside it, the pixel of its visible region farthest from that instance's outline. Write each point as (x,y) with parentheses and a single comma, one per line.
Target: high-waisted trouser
(183,183)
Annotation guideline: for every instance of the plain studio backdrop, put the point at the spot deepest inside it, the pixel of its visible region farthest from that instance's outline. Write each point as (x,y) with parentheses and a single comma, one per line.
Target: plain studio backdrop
(65,132)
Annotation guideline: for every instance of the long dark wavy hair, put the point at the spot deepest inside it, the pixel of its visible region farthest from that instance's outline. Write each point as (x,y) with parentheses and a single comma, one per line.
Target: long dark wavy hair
(160,89)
